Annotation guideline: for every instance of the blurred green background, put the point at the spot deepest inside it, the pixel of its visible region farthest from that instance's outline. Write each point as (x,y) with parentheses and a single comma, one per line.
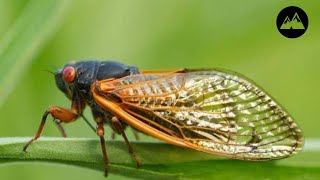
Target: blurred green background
(236,35)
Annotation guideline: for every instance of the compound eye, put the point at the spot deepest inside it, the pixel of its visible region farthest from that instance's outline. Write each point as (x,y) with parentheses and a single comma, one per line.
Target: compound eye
(69,74)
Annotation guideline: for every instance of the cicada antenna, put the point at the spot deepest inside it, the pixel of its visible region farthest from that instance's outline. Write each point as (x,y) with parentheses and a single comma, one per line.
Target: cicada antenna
(51,72)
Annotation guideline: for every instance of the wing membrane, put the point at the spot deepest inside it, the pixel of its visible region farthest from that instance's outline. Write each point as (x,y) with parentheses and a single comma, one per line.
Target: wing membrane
(217,111)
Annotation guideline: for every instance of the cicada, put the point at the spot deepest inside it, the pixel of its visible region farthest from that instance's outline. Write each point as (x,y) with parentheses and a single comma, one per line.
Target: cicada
(210,110)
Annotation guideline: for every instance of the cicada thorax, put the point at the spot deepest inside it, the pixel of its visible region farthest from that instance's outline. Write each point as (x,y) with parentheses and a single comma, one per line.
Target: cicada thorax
(106,71)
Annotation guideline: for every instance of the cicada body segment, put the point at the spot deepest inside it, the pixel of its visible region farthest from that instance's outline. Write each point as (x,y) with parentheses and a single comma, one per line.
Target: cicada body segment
(213,111)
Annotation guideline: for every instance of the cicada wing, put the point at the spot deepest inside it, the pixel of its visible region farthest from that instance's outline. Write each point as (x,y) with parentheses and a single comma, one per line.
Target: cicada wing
(216,111)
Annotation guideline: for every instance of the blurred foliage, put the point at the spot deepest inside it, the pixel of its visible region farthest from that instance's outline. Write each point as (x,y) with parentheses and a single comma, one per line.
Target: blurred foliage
(24,40)
(238,35)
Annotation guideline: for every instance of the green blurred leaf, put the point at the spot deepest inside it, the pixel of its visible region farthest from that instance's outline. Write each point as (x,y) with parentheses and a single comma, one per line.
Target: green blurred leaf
(25,39)
(159,160)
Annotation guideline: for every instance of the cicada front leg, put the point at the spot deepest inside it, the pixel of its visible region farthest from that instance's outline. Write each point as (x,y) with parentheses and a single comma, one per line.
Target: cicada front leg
(59,114)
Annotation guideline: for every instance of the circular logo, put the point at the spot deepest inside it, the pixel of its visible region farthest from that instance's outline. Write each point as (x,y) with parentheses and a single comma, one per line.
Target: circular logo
(292,22)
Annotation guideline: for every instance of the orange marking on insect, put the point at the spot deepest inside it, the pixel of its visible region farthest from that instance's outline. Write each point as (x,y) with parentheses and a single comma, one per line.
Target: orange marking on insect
(107,85)
(119,112)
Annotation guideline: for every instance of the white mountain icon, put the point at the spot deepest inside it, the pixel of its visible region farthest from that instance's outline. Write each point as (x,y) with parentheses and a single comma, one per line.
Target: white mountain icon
(295,23)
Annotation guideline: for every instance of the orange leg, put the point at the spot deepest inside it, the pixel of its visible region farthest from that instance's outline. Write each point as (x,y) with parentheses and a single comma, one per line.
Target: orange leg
(118,127)
(100,133)
(62,114)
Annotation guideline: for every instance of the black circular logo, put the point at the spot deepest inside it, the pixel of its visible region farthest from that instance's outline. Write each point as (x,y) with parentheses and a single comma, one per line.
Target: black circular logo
(292,22)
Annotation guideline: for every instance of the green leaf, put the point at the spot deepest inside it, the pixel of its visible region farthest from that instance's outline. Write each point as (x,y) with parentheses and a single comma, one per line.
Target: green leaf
(24,40)
(159,160)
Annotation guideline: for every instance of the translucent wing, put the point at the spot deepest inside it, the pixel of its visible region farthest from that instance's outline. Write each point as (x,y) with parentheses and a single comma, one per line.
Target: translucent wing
(217,111)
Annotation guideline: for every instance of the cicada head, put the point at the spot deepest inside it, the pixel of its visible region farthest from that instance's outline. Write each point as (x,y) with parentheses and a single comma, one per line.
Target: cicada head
(77,77)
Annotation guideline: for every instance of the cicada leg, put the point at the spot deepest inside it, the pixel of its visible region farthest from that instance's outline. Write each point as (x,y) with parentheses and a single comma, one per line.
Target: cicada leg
(124,126)
(64,115)
(119,129)
(113,135)
(100,133)
(60,127)
(135,133)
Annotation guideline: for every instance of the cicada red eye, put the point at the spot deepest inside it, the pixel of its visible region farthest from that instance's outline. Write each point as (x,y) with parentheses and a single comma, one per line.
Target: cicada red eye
(69,74)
